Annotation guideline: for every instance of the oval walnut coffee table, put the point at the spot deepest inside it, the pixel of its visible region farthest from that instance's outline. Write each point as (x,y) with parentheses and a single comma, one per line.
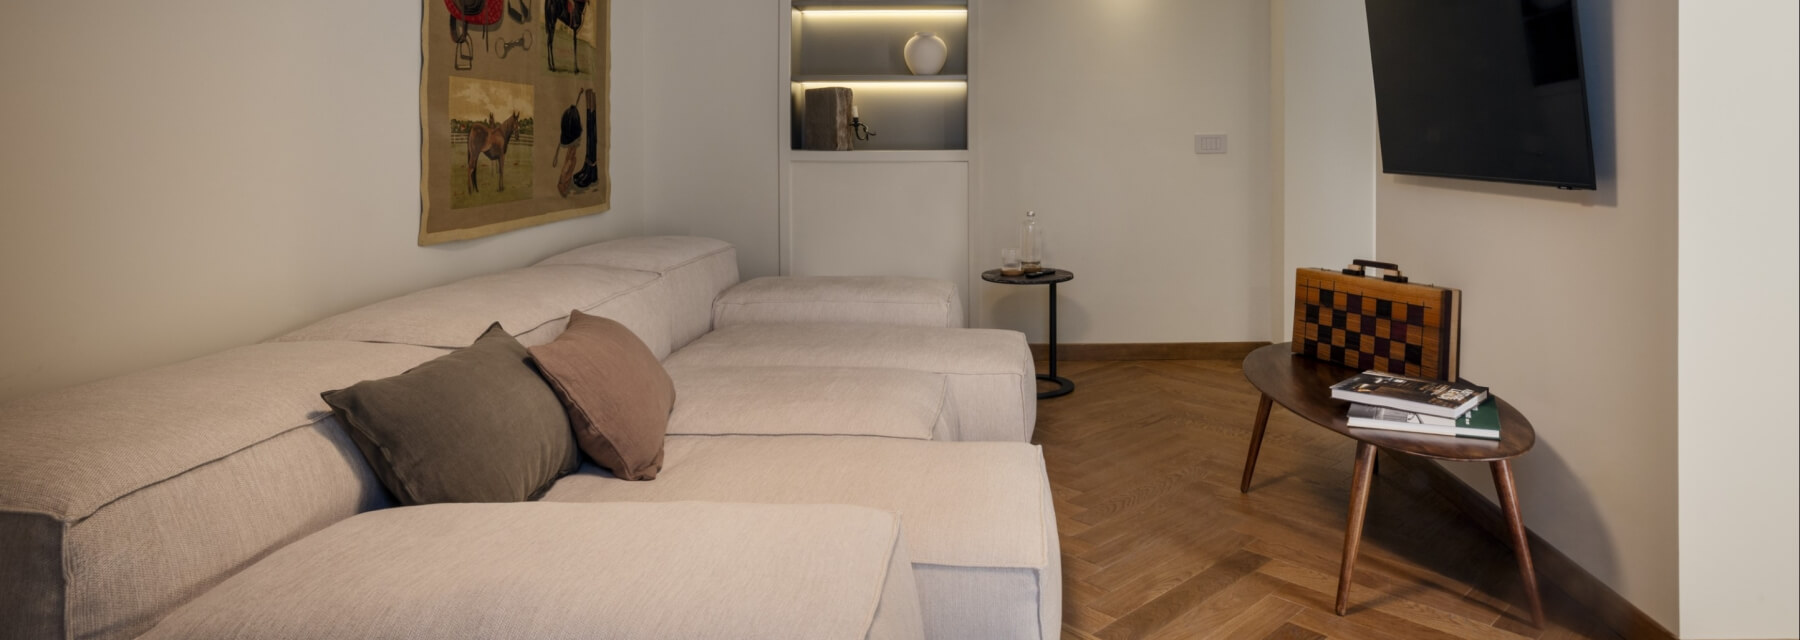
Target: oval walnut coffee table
(1303,385)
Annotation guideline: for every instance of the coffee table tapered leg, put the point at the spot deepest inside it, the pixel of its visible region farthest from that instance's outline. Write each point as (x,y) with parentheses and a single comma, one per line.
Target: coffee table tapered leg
(1256,436)
(1509,503)
(1359,503)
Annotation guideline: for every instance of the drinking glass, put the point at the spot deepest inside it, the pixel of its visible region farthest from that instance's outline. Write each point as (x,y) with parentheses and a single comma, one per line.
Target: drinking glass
(1009,262)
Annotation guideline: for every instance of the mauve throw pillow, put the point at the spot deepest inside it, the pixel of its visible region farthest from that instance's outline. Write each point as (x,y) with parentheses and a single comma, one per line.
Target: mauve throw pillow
(477,425)
(617,393)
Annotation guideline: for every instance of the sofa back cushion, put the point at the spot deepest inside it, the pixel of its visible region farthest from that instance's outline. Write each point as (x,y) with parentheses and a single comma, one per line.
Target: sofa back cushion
(122,499)
(662,288)
(694,272)
(655,254)
(529,303)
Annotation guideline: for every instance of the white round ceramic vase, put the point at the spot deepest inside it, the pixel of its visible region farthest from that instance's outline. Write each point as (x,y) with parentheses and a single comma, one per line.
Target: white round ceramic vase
(925,53)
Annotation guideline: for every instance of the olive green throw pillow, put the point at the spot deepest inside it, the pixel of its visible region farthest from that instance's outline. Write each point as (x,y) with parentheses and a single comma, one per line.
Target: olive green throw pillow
(477,425)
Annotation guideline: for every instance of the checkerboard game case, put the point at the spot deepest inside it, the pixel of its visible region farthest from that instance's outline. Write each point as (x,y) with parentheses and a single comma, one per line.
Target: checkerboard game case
(1375,324)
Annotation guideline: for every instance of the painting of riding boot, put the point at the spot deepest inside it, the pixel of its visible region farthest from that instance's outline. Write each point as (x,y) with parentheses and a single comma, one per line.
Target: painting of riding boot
(488,67)
(580,176)
(571,134)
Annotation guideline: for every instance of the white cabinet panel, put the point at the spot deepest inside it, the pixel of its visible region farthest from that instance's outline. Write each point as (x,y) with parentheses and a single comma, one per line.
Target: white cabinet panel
(880,218)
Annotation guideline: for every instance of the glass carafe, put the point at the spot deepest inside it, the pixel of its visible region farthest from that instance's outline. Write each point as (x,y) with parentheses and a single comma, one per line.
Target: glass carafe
(1031,244)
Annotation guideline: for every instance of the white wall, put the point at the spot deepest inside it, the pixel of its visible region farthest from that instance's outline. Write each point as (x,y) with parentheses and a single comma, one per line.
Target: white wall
(1325,113)
(886,218)
(1168,246)
(1086,112)
(712,144)
(186,176)
(1569,311)
(1740,497)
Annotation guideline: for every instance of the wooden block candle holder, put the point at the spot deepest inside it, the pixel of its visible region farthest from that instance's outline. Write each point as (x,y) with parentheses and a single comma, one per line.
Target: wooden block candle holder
(827,123)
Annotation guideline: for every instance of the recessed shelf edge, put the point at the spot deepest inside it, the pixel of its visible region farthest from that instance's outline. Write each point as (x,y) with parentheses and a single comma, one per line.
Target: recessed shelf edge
(879,155)
(881,77)
(877,5)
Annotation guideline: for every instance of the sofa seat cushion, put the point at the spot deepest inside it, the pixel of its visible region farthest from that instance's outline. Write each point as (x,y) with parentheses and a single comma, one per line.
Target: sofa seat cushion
(531,303)
(978,518)
(896,403)
(549,571)
(925,302)
(655,254)
(992,377)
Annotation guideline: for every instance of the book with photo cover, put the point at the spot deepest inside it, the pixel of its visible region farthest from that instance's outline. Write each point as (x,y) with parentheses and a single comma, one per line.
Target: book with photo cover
(1481,422)
(1429,397)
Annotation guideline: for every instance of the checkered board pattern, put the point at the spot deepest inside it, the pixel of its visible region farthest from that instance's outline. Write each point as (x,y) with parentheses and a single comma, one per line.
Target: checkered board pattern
(1372,324)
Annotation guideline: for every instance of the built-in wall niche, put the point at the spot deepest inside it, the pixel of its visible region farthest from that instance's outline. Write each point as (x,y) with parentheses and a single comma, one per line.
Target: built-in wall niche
(859,45)
(903,115)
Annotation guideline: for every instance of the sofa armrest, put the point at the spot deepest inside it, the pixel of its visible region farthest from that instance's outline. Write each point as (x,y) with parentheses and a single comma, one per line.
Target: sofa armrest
(560,570)
(888,300)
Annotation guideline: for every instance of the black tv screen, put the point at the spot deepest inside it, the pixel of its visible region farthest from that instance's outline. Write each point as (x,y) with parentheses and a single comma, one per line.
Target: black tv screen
(1482,89)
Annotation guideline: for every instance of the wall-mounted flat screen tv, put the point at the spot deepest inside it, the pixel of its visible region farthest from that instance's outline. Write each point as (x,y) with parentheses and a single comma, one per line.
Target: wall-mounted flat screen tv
(1482,89)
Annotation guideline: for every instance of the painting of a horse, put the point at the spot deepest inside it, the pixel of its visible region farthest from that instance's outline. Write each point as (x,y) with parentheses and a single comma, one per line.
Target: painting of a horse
(489,139)
(567,12)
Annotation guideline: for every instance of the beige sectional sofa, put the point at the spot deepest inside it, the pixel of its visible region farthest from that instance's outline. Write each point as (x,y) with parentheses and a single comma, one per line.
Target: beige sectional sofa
(844,461)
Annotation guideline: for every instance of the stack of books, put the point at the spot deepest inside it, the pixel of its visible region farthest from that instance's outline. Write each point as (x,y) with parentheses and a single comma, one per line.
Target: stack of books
(1398,403)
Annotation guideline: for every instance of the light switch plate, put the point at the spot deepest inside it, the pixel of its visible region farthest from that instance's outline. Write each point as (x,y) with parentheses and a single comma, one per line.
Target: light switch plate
(1209,143)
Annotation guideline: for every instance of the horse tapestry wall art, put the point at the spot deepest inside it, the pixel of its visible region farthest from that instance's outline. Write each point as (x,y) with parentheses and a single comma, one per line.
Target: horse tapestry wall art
(482,170)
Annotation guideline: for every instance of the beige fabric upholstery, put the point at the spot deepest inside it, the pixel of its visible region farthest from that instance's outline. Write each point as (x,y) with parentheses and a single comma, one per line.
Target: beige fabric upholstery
(992,377)
(522,300)
(70,451)
(667,313)
(924,302)
(694,271)
(138,558)
(656,254)
(689,290)
(977,515)
(897,403)
(550,571)
(161,483)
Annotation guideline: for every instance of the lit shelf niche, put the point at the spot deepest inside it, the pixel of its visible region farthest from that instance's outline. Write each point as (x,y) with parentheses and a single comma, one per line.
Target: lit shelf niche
(844,43)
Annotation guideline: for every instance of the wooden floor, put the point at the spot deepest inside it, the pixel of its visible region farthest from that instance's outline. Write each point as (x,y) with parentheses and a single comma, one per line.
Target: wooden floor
(1144,461)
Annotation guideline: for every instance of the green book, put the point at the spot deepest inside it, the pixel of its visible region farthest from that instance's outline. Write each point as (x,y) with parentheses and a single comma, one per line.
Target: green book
(1482,422)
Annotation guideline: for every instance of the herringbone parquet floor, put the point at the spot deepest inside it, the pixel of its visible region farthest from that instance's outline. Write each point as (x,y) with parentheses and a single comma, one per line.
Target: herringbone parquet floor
(1144,461)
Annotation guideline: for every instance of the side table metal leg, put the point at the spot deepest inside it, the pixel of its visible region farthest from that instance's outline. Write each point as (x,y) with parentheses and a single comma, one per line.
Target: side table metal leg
(1509,503)
(1359,504)
(1256,436)
(1063,385)
(1052,330)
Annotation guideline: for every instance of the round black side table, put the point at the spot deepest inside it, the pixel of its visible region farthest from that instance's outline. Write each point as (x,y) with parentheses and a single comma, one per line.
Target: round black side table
(1051,277)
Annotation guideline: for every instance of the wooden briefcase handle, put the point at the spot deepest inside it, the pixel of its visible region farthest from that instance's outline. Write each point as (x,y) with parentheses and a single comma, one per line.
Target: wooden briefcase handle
(1391,271)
